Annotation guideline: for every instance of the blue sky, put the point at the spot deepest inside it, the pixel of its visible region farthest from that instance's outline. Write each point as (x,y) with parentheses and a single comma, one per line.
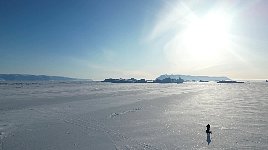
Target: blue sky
(99,39)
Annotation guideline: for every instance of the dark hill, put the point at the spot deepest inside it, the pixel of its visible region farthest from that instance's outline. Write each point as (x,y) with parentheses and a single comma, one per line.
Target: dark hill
(27,77)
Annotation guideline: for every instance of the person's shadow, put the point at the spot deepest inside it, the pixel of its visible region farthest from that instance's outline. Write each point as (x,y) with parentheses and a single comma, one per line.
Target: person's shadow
(208,138)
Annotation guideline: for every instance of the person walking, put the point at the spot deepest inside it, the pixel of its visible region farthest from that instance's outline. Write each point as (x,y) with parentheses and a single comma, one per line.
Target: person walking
(208,129)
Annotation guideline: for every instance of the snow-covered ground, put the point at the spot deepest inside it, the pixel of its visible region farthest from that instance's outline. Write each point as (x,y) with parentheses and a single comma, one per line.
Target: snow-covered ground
(93,115)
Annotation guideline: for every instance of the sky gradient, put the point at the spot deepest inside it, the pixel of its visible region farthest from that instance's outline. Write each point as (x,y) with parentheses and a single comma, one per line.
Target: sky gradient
(99,39)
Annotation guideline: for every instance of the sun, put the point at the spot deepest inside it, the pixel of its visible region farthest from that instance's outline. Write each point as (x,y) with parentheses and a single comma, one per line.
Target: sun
(208,36)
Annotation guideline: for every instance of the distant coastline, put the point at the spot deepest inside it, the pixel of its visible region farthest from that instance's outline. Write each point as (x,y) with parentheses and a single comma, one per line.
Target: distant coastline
(191,78)
(165,78)
(29,77)
(133,80)
(230,82)
(169,79)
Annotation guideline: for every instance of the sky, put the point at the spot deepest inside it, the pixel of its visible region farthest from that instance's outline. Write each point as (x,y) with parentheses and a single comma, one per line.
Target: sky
(98,39)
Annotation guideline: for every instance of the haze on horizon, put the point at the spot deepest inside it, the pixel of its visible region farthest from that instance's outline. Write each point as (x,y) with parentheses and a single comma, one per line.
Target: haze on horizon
(135,38)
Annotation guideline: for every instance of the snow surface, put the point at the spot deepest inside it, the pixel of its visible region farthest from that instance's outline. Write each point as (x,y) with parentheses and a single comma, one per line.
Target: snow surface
(94,115)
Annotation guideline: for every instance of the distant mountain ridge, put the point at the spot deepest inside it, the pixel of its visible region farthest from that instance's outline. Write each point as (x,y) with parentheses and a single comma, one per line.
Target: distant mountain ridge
(28,77)
(191,78)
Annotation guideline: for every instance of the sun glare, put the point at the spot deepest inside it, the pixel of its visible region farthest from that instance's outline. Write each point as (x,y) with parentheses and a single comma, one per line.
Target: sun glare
(207,36)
